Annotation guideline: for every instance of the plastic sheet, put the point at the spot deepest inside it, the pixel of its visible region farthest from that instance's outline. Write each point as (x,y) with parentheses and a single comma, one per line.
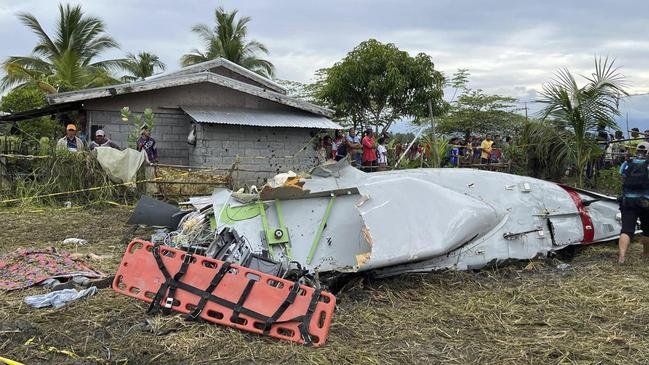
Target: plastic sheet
(58,299)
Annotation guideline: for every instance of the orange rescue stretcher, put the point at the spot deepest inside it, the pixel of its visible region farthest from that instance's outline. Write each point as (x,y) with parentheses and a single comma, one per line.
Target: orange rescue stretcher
(224,293)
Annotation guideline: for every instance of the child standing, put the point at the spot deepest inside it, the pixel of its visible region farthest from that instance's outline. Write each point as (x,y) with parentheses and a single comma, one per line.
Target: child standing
(382,155)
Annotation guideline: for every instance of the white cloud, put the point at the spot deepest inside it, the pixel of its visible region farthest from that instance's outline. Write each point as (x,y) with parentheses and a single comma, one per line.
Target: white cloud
(511,47)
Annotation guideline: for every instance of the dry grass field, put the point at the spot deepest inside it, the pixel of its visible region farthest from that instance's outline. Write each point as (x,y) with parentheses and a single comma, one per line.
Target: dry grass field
(522,313)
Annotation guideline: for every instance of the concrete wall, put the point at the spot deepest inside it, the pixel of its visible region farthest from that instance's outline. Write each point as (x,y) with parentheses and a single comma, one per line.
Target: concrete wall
(263,152)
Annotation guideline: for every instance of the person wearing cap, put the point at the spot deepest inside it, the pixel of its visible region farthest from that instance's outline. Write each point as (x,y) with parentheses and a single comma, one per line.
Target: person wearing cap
(70,142)
(147,143)
(102,141)
(634,204)
(632,144)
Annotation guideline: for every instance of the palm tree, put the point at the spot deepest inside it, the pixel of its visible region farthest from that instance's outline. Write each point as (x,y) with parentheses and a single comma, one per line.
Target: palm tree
(582,109)
(228,40)
(67,60)
(141,66)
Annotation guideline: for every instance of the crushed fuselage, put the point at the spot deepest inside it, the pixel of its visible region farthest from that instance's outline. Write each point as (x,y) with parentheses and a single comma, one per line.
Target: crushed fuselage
(340,219)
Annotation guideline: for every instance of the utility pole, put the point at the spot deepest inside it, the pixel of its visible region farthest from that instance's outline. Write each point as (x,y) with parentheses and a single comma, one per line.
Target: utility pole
(432,120)
(526,111)
(628,134)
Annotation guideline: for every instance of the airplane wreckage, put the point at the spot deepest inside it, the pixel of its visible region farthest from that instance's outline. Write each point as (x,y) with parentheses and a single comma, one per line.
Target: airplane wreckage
(309,230)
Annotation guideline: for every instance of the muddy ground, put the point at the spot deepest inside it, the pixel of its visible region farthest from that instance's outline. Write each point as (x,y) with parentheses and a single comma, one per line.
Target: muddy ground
(529,312)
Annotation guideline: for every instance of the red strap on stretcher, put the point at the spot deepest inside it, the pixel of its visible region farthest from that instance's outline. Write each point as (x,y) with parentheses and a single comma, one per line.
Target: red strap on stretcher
(139,276)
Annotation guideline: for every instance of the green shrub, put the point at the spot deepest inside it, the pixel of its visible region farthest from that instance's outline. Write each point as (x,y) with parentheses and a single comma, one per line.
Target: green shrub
(609,181)
(61,172)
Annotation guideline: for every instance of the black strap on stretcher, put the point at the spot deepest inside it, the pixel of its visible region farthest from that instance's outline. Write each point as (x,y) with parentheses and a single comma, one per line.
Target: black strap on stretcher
(171,283)
(174,283)
(204,296)
(282,308)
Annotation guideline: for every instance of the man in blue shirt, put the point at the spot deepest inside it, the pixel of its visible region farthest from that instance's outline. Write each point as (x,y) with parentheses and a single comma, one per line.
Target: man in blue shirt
(354,147)
(635,200)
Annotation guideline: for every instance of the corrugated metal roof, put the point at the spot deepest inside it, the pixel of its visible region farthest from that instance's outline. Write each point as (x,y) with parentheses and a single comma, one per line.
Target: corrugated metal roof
(222,62)
(259,118)
(187,79)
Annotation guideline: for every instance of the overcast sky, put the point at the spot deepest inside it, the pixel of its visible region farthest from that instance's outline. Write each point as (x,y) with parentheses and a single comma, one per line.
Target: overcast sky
(510,47)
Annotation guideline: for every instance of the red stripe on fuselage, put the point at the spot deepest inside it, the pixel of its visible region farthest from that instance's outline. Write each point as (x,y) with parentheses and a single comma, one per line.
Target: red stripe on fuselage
(586,220)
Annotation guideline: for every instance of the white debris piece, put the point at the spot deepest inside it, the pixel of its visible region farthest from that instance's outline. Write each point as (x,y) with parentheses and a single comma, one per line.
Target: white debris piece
(75,241)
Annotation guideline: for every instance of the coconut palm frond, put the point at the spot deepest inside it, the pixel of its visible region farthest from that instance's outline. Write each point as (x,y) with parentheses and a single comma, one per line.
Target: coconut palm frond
(61,56)
(46,47)
(583,109)
(193,58)
(141,66)
(227,39)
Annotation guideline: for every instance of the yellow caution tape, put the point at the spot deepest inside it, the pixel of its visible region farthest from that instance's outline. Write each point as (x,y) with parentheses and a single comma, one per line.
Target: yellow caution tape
(27,157)
(136,182)
(70,354)
(10,362)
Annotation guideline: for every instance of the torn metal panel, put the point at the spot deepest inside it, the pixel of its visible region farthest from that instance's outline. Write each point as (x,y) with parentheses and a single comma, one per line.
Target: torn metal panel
(153,212)
(198,202)
(340,240)
(410,219)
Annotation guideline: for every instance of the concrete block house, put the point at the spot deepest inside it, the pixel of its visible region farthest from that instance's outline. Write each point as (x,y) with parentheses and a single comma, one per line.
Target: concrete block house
(235,112)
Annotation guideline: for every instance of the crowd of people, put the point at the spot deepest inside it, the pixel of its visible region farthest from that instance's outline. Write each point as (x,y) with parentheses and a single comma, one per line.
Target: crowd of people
(72,143)
(367,152)
(371,153)
(618,149)
(476,150)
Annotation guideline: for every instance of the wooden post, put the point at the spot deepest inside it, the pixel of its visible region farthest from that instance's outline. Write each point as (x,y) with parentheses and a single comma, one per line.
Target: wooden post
(150,188)
(432,120)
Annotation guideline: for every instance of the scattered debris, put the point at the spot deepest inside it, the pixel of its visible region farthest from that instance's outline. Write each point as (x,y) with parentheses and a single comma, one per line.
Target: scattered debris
(153,212)
(395,221)
(50,283)
(159,235)
(58,299)
(89,256)
(74,241)
(148,326)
